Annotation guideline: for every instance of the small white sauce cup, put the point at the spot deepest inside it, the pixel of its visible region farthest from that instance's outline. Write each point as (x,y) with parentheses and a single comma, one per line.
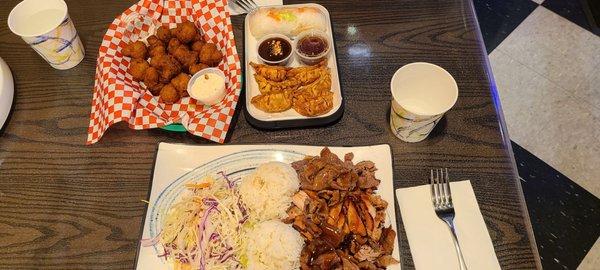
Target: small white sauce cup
(213,99)
(282,62)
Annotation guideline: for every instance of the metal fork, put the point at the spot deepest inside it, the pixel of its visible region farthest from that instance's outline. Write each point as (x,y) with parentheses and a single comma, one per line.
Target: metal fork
(442,203)
(246,5)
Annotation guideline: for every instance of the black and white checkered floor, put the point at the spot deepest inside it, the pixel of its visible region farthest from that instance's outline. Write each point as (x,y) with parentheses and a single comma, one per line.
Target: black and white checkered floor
(545,56)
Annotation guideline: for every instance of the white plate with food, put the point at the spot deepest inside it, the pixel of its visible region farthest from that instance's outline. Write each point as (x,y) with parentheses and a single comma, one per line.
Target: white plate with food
(291,68)
(270,207)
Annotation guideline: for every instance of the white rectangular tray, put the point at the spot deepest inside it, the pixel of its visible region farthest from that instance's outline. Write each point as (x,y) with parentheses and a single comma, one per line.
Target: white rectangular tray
(294,119)
(177,164)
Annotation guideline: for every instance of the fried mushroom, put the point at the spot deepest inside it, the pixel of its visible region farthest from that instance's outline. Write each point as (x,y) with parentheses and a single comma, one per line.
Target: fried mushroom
(198,37)
(136,50)
(186,32)
(151,77)
(173,44)
(163,33)
(210,55)
(170,69)
(180,82)
(155,90)
(197,46)
(157,50)
(193,69)
(137,68)
(154,41)
(169,94)
(168,66)
(185,56)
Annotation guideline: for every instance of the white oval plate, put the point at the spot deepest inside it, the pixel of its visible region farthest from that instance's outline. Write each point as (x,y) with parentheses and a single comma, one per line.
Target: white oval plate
(178,164)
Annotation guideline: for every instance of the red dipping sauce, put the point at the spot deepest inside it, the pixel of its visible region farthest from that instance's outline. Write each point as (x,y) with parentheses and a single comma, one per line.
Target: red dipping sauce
(312,46)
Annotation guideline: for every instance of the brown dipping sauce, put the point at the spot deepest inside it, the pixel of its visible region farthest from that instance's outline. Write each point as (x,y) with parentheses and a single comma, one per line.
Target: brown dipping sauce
(312,46)
(274,49)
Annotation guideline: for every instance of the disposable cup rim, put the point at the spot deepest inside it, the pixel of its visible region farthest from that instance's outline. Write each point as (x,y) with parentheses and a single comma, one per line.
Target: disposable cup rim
(434,113)
(41,32)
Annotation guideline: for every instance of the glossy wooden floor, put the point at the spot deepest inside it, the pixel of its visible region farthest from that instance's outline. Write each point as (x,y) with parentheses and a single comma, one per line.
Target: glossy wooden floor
(65,205)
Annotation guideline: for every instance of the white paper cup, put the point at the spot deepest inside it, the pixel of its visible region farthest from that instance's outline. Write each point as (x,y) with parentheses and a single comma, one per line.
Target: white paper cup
(45,25)
(421,94)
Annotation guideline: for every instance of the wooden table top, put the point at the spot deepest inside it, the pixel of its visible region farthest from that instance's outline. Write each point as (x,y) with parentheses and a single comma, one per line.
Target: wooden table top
(65,205)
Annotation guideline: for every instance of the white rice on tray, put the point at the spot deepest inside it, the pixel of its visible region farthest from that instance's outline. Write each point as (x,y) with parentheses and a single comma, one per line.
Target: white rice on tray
(273,245)
(268,191)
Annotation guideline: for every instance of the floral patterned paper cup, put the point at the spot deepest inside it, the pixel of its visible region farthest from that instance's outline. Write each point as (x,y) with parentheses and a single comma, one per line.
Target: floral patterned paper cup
(45,25)
(421,94)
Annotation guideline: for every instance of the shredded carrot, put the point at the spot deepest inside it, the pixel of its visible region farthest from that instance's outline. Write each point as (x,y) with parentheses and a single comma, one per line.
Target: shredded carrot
(145,201)
(182,266)
(198,185)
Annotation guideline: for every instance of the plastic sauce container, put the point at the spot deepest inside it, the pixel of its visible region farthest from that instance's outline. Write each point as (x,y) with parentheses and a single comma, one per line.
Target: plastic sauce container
(207,86)
(312,46)
(275,49)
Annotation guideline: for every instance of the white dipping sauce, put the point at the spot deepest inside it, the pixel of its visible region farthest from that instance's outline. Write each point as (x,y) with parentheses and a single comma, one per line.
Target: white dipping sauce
(208,88)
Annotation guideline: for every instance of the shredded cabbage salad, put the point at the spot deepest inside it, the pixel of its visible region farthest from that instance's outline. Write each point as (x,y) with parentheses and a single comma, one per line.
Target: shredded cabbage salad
(205,229)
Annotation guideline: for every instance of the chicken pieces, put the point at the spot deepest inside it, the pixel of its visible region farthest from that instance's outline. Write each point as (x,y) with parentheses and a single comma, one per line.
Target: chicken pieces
(339,215)
(305,89)
(174,55)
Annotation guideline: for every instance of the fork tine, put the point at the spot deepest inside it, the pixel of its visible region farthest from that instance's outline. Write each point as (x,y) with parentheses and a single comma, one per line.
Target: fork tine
(448,186)
(254,5)
(437,188)
(250,4)
(242,5)
(431,184)
(440,185)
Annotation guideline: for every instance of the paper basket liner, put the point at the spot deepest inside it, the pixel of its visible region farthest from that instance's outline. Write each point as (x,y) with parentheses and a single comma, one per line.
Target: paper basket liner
(118,98)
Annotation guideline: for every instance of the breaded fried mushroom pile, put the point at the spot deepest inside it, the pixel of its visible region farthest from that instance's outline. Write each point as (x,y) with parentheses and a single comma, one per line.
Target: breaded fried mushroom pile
(174,55)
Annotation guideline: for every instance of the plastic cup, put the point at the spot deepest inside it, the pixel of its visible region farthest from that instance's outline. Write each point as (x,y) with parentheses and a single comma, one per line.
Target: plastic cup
(421,94)
(46,26)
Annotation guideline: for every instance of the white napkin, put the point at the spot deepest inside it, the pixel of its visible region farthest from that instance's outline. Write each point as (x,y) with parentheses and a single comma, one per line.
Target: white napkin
(430,239)
(236,10)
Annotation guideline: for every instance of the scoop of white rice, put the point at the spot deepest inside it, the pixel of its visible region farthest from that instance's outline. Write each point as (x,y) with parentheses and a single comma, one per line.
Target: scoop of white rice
(268,191)
(274,245)
(286,21)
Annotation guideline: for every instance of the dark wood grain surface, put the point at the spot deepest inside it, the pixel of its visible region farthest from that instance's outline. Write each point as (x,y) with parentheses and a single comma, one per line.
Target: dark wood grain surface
(65,205)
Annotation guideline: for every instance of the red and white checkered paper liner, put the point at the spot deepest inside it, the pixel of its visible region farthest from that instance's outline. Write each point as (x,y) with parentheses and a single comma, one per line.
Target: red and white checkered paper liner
(118,98)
